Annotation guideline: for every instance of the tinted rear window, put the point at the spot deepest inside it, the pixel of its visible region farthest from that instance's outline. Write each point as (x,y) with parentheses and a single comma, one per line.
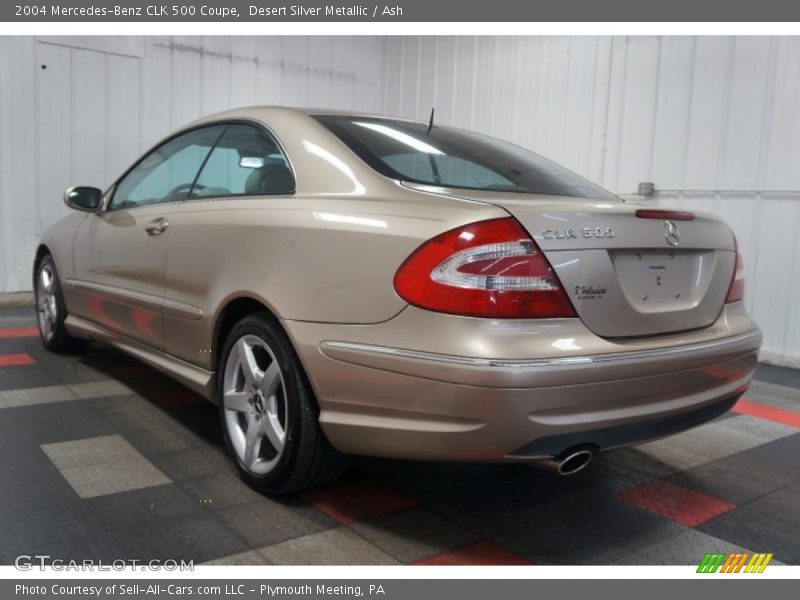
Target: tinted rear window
(455,158)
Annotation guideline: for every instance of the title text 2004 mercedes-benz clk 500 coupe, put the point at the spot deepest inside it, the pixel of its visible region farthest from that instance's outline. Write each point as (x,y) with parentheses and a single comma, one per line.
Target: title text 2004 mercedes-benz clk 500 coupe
(354,284)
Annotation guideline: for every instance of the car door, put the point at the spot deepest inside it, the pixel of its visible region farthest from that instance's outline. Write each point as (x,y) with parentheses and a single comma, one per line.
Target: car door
(120,252)
(246,176)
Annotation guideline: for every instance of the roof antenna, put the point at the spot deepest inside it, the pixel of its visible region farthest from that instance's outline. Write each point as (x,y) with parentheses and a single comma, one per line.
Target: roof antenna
(430,123)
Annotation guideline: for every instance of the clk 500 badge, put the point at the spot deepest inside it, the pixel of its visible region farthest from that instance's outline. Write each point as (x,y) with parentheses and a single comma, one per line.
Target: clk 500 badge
(570,233)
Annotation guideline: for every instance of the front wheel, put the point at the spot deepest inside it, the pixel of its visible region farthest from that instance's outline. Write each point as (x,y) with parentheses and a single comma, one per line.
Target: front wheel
(269,414)
(51,310)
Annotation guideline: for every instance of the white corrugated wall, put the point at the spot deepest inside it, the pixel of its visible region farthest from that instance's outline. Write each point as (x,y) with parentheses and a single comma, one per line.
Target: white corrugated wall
(714,122)
(80,109)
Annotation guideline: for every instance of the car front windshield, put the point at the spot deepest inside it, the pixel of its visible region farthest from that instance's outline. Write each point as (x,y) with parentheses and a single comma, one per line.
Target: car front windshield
(455,158)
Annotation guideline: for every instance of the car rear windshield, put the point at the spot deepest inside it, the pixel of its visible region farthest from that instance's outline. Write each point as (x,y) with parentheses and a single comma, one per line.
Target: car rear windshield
(454,158)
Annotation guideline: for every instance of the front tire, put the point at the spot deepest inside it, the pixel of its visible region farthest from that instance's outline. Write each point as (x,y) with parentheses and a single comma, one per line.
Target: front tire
(269,414)
(51,311)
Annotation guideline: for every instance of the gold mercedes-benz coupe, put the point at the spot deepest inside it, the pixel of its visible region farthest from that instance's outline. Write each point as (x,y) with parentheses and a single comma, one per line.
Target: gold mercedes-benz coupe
(342,283)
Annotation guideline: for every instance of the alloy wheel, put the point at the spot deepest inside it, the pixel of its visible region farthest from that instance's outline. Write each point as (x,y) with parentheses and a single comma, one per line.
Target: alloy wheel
(255,405)
(46,303)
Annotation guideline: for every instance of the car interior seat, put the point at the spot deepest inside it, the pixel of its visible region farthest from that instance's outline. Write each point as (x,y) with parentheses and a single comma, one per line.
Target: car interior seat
(270,179)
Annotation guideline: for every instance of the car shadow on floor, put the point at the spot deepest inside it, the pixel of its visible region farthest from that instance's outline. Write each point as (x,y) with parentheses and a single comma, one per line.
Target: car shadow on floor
(187,408)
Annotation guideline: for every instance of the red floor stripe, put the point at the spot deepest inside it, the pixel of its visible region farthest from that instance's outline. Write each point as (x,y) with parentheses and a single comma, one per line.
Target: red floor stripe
(18,332)
(351,501)
(770,413)
(479,553)
(15,360)
(676,503)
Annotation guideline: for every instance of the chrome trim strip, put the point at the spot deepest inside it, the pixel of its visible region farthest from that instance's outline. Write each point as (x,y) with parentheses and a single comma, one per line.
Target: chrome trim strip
(170,308)
(566,361)
(116,294)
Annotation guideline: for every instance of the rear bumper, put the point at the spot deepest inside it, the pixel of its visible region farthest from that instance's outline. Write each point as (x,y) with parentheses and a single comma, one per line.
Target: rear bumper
(415,401)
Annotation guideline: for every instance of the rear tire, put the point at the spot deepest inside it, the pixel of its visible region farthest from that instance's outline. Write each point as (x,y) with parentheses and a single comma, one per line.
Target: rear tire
(269,414)
(51,311)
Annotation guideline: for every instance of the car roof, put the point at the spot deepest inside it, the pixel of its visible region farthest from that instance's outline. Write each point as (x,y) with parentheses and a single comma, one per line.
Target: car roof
(271,111)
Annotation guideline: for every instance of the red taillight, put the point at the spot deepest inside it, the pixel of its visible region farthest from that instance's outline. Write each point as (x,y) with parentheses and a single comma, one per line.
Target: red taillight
(736,289)
(486,269)
(672,215)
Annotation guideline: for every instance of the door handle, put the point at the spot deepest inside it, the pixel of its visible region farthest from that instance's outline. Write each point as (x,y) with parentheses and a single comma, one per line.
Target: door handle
(156,227)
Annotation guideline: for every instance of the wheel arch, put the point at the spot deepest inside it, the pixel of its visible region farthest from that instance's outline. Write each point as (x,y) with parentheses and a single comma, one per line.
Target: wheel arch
(41,251)
(233,310)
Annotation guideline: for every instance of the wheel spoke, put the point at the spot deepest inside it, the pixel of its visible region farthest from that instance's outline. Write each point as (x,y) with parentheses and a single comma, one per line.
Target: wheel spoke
(51,309)
(47,327)
(271,379)
(252,374)
(237,401)
(252,442)
(273,430)
(47,280)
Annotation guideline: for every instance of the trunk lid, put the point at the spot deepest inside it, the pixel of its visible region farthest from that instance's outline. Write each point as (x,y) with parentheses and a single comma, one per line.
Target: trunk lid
(622,274)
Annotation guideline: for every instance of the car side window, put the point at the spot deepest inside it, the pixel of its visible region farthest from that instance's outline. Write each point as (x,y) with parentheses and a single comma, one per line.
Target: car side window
(167,173)
(246,161)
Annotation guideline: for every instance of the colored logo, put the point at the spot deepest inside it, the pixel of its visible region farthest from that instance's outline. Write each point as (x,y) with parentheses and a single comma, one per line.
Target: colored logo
(721,562)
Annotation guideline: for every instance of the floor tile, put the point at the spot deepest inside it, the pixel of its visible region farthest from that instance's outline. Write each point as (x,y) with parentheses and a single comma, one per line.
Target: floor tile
(7,333)
(414,534)
(781,504)
(143,507)
(685,548)
(60,393)
(220,490)
(773,394)
(99,389)
(677,503)
(702,445)
(195,537)
(103,465)
(770,413)
(479,553)
(191,463)
(785,451)
(16,360)
(58,422)
(338,546)
(248,558)
(34,375)
(778,375)
(740,477)
(35,396)
(759,532)
(734,486)
(269,521)
(546,542)
(350,501)
(587,528)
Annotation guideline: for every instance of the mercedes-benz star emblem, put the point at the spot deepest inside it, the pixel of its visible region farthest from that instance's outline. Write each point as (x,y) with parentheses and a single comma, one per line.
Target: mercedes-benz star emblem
(671,233)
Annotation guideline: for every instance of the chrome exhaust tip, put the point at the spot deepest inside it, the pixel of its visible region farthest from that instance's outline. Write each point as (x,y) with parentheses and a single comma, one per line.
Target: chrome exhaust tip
(567,463)
(574,462)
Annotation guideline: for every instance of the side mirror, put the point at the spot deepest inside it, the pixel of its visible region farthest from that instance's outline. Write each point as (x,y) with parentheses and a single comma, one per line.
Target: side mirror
(83,198)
